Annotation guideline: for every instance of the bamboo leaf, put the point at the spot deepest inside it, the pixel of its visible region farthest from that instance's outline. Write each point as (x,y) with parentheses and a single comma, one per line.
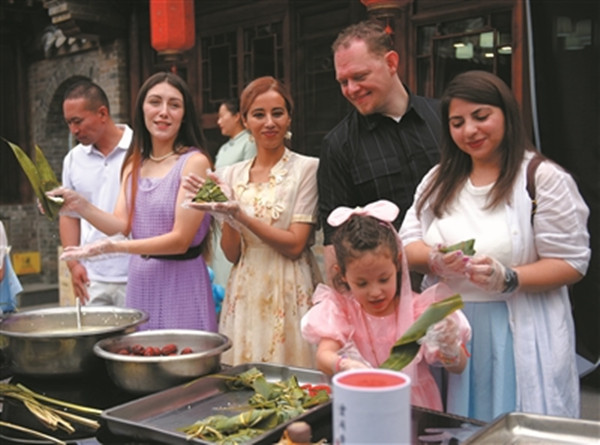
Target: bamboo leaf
(406,348)
(271,404)
(41,181)
(48,179)
(467,247)
(210,192)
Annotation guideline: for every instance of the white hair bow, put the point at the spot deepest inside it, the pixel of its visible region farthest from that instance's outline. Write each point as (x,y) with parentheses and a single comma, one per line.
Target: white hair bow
(383,210)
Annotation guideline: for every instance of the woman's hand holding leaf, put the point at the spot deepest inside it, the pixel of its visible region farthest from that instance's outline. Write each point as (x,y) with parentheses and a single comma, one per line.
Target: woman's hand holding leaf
(447,264)
(73,204)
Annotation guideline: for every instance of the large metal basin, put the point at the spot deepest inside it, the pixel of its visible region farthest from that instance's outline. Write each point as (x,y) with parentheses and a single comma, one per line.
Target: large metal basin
(142,374)
(48,342)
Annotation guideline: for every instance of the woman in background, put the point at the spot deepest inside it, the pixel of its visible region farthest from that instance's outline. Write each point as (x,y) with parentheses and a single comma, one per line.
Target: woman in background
(239,147)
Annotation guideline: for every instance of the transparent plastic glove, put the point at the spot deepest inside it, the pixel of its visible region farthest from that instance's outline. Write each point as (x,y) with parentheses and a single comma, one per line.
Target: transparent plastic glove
(73,202)
(346,364)
(222,211)
(350,358)
(447,265)
(192,183)
(101,249)
(486,273)
(442,343)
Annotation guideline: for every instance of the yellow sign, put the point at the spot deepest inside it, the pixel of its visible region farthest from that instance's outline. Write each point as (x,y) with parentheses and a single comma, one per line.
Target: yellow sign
(26,263)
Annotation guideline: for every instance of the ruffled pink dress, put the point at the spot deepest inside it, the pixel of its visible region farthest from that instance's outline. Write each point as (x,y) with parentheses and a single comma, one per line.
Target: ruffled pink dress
(340,317)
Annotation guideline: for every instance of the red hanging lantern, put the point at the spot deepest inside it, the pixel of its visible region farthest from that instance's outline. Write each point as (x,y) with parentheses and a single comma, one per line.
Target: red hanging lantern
(385,4)
(172,25)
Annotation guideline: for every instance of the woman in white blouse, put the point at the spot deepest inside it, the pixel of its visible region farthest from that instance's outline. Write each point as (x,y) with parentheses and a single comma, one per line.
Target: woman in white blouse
(515,286)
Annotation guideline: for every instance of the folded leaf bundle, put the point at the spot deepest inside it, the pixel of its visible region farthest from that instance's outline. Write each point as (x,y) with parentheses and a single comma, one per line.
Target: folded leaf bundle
(41,177)
(467,247)
(272,404)
(210,192)
(407,347)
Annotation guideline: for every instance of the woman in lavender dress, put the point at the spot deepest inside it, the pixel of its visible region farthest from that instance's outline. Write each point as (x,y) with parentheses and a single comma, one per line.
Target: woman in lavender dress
(168,277)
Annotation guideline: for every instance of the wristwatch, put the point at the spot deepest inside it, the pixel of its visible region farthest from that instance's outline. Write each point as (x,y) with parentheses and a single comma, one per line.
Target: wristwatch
(511,281)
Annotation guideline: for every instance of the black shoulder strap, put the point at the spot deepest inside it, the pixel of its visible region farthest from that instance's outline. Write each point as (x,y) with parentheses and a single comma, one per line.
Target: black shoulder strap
(531,168)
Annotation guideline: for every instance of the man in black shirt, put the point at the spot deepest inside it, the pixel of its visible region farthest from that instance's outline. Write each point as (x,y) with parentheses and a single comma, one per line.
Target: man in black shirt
(383,147)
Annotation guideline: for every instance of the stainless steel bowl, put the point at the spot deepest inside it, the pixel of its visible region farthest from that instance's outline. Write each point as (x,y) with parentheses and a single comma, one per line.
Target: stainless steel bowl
(49,342)
(142,375)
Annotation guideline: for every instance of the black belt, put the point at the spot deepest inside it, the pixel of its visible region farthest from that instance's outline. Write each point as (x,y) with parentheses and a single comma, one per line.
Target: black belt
(191,253)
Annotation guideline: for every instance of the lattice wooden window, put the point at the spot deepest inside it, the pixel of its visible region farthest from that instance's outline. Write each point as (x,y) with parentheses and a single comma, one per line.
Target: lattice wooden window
(445,49)
(230,60)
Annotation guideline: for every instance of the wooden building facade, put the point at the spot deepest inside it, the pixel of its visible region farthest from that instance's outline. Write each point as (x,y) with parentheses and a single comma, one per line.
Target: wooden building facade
(546,50)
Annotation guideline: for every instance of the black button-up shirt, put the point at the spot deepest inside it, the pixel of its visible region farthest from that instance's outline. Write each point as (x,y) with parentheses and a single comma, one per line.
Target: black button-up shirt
(366,158)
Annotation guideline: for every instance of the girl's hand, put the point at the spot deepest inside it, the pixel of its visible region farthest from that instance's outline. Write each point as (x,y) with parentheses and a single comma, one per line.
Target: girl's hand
(447,265)
(442,343)
(345,363)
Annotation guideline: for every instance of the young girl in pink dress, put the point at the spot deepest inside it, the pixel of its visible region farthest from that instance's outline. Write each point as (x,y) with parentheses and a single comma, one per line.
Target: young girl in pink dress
(356,322)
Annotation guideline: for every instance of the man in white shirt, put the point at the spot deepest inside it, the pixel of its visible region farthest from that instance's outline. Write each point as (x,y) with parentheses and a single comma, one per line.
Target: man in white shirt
(93,168)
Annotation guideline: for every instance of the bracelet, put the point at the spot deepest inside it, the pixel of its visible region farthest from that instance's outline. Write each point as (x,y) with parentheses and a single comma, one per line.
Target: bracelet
(511,281)
(338,362)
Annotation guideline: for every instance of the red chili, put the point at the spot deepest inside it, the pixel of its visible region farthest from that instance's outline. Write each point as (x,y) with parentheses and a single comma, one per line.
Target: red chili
(313,390)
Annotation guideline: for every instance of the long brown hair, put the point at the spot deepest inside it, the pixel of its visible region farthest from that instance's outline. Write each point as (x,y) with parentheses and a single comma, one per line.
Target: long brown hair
(455,165)
(189,135)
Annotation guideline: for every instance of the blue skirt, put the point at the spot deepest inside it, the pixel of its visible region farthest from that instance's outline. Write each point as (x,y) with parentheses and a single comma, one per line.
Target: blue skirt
(487,387)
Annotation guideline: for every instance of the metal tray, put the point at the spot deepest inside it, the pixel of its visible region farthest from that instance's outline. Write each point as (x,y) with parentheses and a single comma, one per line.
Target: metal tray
(534,429)
(158,417)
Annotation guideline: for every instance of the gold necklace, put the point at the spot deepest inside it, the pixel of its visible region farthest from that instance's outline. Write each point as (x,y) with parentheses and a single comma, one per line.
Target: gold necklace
(162,158)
